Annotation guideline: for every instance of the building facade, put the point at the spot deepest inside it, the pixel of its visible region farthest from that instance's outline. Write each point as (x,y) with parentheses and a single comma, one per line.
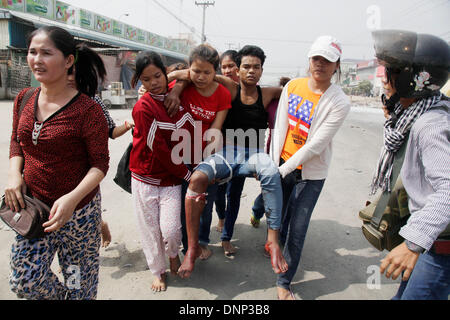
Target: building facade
(116,42)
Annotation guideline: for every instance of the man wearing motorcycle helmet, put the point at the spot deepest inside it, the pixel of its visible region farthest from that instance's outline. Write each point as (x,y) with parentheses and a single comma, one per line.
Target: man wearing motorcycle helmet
(417,67)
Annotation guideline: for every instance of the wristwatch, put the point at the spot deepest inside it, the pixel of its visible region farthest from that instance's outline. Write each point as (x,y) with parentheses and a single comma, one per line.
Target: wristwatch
(414,247)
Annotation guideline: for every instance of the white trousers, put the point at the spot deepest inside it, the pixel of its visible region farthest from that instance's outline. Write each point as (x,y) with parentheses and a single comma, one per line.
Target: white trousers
(158,215)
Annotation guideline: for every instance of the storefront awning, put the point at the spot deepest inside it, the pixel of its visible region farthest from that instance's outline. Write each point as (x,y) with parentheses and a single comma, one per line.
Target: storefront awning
(96,36)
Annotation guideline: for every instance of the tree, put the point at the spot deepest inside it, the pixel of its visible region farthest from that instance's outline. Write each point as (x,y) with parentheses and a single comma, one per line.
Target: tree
(365,88)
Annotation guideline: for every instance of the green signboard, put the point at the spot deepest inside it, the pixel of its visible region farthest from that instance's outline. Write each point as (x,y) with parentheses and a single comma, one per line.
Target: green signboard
(66,13)
(118,29)
(17,5)
(142,36)
(86,19)
(103,24)
(131,33)
(43,8)
(155,40)
(62,12)
(171,44)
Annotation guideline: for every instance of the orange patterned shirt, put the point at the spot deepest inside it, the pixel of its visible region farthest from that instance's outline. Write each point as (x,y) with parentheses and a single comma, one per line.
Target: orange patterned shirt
(302,105)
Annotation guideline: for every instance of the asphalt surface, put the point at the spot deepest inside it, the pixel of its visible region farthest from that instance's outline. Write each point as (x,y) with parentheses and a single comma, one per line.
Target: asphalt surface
(337,262)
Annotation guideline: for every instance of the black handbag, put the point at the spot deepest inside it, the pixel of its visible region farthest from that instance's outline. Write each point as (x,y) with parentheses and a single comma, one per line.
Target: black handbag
(123,174)
(27,222)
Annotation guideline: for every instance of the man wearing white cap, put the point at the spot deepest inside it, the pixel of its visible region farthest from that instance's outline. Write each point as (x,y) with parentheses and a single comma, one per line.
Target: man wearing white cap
(310,113)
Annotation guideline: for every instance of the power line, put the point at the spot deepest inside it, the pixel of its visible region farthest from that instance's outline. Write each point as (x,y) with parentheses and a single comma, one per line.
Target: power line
(178,6)
(192,29)
(415,9)
(437,5)
(306,42)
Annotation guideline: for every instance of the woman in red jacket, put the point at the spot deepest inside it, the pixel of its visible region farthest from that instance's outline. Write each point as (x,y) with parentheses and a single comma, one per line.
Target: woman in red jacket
(156,179)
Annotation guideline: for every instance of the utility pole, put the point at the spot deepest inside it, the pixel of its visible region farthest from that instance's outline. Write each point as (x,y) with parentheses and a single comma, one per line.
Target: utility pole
(205,5)
(230,45)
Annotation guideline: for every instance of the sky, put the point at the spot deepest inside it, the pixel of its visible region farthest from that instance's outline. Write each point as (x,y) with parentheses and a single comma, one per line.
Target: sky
(284,29)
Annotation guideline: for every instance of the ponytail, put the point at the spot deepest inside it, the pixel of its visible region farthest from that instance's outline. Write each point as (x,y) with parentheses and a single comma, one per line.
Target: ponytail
(89,69)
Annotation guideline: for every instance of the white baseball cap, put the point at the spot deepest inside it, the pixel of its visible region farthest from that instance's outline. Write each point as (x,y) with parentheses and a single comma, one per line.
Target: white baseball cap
(328,47)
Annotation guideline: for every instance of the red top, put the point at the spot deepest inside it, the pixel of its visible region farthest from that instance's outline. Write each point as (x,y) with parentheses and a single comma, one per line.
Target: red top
(151,159)
(71,142)
(205,109)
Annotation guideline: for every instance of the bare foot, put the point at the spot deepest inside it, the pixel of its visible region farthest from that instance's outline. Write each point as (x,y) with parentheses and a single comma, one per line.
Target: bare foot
(158,284)
(175,264)
(187,267)
(228,248)
(279,265)
(106,235)
(284,294)
(206,253)
(220,224)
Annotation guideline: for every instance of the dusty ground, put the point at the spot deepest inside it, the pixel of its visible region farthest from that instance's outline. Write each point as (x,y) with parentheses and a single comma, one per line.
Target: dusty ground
(336,258)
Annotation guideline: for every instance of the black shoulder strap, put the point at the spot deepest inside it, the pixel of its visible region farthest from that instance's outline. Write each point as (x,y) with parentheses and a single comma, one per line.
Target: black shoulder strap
(26,97)
(260,97)
(237,99)
(384,199)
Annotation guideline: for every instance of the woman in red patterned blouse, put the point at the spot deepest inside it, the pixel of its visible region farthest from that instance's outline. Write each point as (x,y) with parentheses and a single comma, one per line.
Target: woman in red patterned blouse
(59,154)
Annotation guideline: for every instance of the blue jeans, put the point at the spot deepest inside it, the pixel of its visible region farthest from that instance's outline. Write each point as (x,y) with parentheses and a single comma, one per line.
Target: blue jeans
(205,219)
(220,201)
(258,208)
(287,184)
(237,161)
(430,279)
(232,191)
(302,196)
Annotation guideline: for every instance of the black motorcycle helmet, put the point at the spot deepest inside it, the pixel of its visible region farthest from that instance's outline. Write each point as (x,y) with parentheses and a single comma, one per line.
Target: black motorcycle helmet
(421,61)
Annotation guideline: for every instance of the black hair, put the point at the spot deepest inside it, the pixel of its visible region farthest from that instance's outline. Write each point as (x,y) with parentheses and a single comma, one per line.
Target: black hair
(143,60)
(229,53)
(176,66)
(88,64)
(284,81)
(253,51)
(206,53)
(390,72)
(338,73)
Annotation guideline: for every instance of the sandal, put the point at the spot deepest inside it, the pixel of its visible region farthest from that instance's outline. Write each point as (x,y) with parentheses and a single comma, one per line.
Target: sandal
(254,222)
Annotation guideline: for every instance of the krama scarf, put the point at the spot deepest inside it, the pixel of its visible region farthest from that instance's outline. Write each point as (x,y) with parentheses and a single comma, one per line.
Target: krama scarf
(396,129)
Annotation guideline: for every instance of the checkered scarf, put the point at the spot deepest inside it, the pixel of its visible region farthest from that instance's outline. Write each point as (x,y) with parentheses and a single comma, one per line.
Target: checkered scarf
(396,129)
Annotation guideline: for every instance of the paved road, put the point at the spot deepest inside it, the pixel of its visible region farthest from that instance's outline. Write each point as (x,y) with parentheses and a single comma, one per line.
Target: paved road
(337,261)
